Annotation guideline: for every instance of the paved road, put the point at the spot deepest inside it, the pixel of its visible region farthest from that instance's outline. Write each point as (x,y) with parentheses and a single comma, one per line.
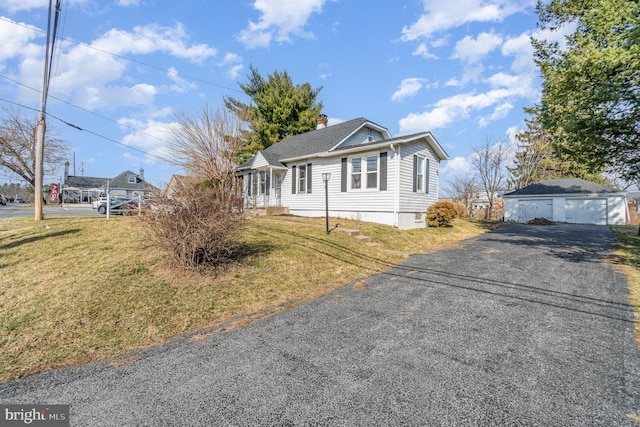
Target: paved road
(522,326)
(18,210)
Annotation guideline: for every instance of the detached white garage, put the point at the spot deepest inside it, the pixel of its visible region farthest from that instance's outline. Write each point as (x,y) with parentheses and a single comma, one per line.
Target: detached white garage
(572,200)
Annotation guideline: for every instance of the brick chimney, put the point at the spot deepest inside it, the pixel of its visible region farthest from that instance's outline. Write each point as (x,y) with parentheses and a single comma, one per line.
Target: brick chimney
(323,120)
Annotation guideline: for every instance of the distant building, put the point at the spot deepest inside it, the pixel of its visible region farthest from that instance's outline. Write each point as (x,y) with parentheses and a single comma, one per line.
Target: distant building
(84,189)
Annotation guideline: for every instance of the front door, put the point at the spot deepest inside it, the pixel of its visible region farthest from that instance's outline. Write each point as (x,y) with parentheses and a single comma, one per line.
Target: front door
(277,188)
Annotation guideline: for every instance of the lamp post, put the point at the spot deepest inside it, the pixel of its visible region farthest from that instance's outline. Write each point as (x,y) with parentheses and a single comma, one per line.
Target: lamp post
(326,177)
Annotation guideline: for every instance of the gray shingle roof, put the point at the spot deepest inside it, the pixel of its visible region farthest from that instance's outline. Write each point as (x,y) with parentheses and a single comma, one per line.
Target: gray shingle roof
(315,141)
(85,182)
(562,186)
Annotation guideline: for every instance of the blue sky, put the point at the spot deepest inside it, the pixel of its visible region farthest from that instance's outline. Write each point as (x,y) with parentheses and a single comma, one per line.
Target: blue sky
(462,69)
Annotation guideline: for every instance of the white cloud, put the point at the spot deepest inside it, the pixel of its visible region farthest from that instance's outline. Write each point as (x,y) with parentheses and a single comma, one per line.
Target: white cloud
(472,50)
(448,110)
(15,38)
(153,38)
(233,63)
(279,20)
(148,136)
(408,88)
(423,50)
(127,3)
(499,112)
(90,77)
(441,15)
(180,85)
(456,167)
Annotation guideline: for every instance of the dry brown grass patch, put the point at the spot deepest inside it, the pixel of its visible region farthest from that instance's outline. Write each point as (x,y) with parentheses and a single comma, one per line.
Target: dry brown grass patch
(74,290)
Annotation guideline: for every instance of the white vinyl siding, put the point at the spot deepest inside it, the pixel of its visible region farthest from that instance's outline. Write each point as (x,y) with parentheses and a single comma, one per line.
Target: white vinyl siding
(417,201)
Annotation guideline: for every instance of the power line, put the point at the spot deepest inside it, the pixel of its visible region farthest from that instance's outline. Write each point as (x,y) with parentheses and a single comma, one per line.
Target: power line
(78,128)
(115,55)
(88,111)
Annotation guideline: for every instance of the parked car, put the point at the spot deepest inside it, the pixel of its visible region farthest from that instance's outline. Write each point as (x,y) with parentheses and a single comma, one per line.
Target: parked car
(119,206)
(3,199)
(19,201)
(97,203)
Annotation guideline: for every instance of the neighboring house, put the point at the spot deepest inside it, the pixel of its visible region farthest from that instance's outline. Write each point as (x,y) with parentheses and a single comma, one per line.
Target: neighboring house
(373,177)
(82,189)
(572,200)
(180,183)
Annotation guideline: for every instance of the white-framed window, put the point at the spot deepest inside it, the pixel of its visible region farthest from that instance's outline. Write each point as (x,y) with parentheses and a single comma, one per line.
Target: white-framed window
(420,173)
(302,178)
(364,172)
(131,179)
(356,173)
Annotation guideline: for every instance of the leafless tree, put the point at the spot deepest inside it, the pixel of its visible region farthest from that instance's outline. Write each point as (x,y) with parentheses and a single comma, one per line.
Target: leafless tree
(205,145)
(17,146)
(490,165)
(463,190)
(198,222)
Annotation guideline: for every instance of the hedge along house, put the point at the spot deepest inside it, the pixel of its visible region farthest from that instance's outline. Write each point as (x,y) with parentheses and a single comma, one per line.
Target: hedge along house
(374,177)
(572,200)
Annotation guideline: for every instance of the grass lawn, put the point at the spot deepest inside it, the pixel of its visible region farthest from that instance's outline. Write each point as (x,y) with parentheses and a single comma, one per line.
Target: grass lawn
(628,252)
(74,290)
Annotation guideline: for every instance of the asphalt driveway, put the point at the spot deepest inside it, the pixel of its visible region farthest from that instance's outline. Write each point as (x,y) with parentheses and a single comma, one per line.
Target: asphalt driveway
(527,325)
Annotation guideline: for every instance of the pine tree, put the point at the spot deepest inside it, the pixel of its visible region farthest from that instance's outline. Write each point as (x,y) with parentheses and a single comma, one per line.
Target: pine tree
(279,109)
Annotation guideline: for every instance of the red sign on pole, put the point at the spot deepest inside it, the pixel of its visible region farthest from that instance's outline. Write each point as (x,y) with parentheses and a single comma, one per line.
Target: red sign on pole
(54,192)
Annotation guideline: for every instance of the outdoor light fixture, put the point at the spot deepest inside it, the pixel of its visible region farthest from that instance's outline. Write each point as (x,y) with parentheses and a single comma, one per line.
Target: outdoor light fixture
(326,176)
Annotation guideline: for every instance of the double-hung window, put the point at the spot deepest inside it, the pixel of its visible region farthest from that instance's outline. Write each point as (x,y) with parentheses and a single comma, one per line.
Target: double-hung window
(372,171)
(364,172)
(419,173)
(356,173)
(302,179)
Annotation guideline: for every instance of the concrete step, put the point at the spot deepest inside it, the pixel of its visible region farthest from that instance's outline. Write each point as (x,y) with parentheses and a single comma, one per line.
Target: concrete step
(363,239)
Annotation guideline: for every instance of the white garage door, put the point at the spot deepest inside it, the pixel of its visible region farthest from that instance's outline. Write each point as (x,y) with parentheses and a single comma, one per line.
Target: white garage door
(586,211)
(530,209)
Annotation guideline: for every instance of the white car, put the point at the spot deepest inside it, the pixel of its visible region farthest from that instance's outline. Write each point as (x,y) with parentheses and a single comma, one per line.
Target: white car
(97,202)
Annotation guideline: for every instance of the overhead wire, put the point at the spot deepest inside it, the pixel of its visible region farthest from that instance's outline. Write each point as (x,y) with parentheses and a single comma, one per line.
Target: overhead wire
(115,55)
(91,112)
(79,128)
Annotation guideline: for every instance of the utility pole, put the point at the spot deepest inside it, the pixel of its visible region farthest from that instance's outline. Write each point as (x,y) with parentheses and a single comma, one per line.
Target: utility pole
(41,127)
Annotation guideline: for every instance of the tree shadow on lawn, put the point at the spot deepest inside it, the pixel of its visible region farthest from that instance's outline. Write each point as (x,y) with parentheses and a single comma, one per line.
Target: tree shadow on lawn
(34,239)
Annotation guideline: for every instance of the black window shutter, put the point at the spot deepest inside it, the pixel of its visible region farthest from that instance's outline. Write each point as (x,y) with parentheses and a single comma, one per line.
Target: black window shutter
(415,173)
(383,171)
(343,175)
(308,177)
(426,178)
(293,179)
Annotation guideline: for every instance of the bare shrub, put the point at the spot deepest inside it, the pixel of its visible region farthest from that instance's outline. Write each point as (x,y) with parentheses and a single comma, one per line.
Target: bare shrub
(199,228)
(198,219)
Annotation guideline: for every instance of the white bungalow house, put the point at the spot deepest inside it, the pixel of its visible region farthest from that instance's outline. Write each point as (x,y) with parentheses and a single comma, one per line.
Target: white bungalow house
(373,177)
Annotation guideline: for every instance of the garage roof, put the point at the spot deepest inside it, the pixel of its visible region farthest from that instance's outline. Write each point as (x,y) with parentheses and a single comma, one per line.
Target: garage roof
(562,186)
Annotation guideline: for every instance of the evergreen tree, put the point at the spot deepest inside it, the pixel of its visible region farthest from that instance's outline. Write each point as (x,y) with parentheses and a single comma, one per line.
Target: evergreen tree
(591,87)
(279,109)
(536,159)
